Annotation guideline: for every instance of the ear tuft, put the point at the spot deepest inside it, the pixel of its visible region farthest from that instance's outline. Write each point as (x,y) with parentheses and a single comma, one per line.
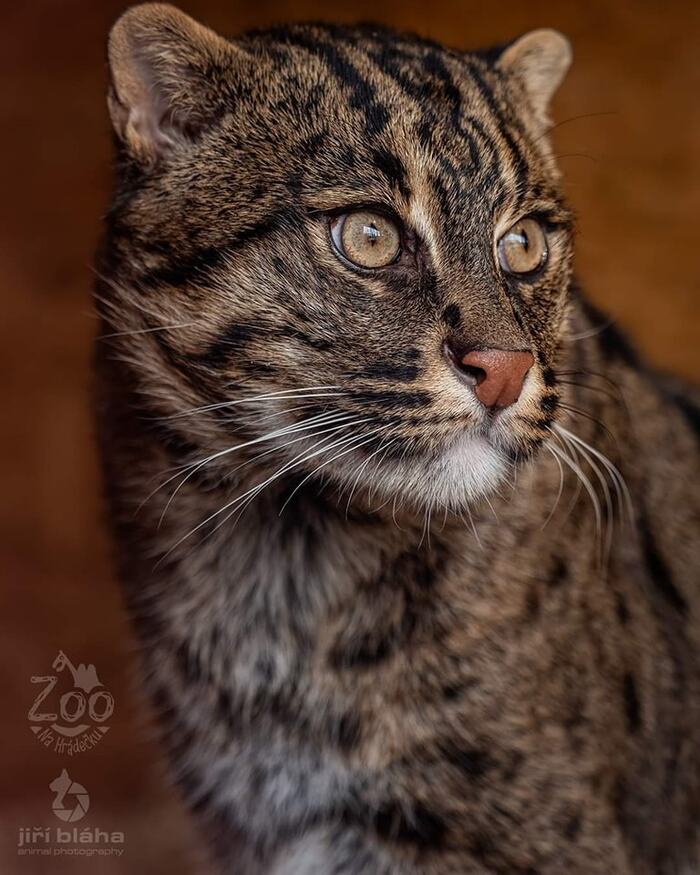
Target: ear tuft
(540,60)
(169,75)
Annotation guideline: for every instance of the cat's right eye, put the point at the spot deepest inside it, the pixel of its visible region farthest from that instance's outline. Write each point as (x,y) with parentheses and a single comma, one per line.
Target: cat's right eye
(366,239)
(523,248)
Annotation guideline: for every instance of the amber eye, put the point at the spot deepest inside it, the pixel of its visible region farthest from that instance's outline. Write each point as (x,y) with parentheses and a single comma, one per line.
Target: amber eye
(367,239)
(523,248)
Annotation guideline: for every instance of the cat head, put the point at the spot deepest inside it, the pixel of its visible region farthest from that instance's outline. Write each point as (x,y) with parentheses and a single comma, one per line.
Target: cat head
(361,229)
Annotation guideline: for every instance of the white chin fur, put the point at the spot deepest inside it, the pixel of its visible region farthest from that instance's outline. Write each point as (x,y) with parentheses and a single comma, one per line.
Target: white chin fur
(467,470)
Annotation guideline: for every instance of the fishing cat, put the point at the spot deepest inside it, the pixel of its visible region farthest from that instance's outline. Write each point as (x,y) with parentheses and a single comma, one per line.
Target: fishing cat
(408,533)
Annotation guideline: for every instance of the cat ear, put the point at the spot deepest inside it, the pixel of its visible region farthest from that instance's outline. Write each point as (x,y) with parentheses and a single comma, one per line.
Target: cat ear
(539,59)
(170,76)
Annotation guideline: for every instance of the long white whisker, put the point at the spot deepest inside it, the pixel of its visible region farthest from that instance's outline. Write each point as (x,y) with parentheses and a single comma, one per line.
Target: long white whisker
(493,511)
(147,330)
(561,488)
(260,487)
(303,425)
(471,524)
(393,513)
(296,440)
(284,395)
(576,468)
(298,460)
(358,473)
(583,454)
(615,474)
(238,505)
(382,446)
(369,437)
(256,418)
(376,471)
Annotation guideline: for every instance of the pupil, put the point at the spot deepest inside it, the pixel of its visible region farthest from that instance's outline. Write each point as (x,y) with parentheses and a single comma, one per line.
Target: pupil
(372,233)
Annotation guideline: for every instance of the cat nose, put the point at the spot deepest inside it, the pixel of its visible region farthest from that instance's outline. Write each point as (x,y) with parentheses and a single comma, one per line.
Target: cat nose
(496,375)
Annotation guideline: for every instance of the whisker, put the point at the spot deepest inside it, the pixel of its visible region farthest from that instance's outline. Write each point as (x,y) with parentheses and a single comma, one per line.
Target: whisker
(579,472)
(197,465)
(587,373)
(493,511)
(471,524)
(575,118)
(586,456)
(248,497)
(393,513)
(591,332)
(599,389)
(376,471)
(353,446)
(577,410)
(426,527)
(256,418)
(253,490)
(361,468)
(561,488)
(147,330)
(282,395)
(613,470)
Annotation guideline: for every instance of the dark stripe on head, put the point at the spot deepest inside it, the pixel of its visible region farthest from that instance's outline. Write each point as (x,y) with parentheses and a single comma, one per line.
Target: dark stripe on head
(308,148)
(489,182)
(520,165)
(392,167)
(322,344)
(174,443)
(346,731)
(230,342)
(391,399)
(197,265)
(549,403)
(185,271)
(436,67)
(362,93)
(388,370)
(446,198)
(549,377)
(452,316)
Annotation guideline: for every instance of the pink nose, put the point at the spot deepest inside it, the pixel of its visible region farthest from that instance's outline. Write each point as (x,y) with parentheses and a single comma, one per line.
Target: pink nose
(498,374)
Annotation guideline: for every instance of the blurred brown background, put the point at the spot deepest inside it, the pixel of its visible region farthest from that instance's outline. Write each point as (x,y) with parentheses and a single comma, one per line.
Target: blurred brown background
(629,146)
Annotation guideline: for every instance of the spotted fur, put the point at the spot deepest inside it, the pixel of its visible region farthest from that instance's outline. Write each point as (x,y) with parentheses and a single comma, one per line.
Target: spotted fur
(424,646)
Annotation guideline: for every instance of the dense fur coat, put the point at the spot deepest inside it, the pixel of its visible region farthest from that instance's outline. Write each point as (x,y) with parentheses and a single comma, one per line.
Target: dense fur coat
(387,630)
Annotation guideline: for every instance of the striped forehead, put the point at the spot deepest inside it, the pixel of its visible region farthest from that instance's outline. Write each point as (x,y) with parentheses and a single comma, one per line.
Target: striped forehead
(428,120)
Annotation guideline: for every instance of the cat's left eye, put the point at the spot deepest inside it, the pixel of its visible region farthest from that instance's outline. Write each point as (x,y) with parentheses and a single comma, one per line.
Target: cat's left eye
(523,248)
(365,238)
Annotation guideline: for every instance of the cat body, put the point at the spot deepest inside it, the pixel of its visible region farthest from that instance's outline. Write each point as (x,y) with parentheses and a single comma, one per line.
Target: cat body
(391,623)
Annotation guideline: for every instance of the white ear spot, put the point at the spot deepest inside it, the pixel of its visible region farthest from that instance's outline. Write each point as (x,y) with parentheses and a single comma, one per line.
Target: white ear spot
(540,60)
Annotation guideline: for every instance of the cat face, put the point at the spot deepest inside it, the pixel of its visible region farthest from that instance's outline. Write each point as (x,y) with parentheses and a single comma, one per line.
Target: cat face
(361,229)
